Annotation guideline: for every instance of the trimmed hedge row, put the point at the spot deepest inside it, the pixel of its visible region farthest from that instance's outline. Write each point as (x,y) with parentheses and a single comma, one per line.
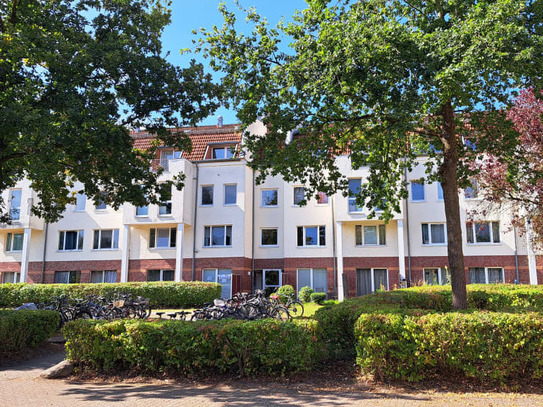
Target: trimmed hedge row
(161,294)
(242,347)
(484,345)
(25,329)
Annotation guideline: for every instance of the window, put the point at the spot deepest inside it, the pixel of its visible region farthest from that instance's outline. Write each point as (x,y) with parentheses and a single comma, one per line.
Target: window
(269,237)
(230,194)
(70,240)
(166,156)
(417,191)
(80,202)
(299,195)
(473,191)
(142,211)
(371,280)
(222,153)
(15,204)
(322,198)
(221,276)
(439,191)
(106,239)
(314,278)
(160,275)
(485,275)
(162,238)
(10,277)
(165,206)
(270,197)
(483,232)
(217,236)
(67,277)
(207,195)
(436,276)
(370,235)
(102,203)
(103,276)
(354,190)
(311,236)
(433,233)
(14,242)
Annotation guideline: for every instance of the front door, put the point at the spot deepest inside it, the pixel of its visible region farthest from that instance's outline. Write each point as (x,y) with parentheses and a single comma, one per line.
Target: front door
(271,280)
(221,276)
(363,282)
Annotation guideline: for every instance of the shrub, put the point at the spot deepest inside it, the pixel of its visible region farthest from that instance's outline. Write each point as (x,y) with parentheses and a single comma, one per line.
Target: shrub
(285,292)
(25,329)
(241,347)
(305,294)
(161,294)
(318,297)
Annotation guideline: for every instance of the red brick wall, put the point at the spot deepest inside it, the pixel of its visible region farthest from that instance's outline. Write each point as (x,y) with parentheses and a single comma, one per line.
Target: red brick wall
(35,269)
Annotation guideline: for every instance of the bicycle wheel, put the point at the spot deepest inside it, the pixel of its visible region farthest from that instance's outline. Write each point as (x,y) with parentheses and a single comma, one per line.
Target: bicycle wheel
(83,315)
(295,309)
(280,313)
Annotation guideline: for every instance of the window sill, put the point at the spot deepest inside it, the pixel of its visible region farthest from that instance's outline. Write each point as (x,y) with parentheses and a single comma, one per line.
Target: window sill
(69,251)
(142,216)
(105,250)
(269,206)
(417,201)
(166,215)
(434,244)
(484,244)
(206,206)
(370,245)
(217,247)
(311,247)
(161,248)
(230,204)
(14,251)
(265,246)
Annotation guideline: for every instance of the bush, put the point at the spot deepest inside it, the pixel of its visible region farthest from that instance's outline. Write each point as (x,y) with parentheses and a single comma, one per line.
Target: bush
(240,347)
(285,292)
(318,297)
(161,294)
(484,345)
(305,294)
(25,329)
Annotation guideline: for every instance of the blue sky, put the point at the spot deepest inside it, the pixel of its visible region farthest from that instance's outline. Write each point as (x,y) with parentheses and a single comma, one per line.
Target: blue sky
(188,15)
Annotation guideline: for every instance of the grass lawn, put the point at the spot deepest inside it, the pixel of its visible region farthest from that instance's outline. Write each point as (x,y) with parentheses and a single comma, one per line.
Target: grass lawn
(310,308)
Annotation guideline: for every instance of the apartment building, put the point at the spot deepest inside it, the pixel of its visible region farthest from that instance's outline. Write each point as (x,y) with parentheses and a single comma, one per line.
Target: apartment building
(223,227)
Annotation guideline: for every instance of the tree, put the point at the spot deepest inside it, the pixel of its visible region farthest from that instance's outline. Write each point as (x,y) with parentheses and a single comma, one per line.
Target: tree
(382,80)
(516,181)
(75,76)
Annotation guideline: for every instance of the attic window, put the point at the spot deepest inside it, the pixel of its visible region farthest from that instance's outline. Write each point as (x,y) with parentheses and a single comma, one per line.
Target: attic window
(222,152)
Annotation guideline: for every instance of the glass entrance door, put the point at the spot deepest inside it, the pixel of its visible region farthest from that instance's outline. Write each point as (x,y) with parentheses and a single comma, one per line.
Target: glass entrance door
(271,280)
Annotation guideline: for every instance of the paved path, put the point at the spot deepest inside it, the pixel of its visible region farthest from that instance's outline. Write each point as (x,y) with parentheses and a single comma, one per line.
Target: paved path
(20,385)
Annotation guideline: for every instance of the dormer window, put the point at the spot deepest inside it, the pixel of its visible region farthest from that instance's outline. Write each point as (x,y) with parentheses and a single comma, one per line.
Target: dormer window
(222,153)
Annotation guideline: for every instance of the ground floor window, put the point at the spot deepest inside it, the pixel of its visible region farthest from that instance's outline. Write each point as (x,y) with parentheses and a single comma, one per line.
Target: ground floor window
(104,276)
(268,280)
(436,276)
(67,277)
(160,275)
(10,277)
(315,278)
(370,280)
(221,276)
(485,275)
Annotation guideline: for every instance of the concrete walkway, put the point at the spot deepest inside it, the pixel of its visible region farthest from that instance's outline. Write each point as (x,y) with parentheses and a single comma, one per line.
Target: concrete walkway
(20,385)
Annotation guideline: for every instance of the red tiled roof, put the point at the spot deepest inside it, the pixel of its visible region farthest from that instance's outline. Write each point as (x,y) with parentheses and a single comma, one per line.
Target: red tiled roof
(200,137)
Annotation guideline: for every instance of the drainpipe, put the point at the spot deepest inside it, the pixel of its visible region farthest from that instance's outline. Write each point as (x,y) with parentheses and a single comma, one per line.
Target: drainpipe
(517,280)
(334,253)
(194,225)
(44,252)
(407,233)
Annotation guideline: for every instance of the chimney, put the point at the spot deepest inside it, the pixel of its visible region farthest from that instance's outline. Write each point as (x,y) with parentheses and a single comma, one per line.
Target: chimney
(219,121)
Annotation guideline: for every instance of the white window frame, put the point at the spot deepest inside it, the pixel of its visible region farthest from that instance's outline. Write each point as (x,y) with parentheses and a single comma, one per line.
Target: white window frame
(102,279)
(207,205)
(216,270)
(474,235)
(10,238)
(305,236)
(80,202)
(311,277)
(381,229)
(412,196)
(486,274)
(294,203)
(211,227)
(161,274)
(430,233)
(80,236)
(15,210)
(167,155)
(262,236)
(372,277)
(440,272)
(235,195)
(114,239)
(262,202)
(172,236)
(229,152)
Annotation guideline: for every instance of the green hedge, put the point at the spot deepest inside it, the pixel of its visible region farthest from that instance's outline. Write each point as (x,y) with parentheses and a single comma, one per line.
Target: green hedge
(485,345)
(241,347)
(161,294)
(25,329)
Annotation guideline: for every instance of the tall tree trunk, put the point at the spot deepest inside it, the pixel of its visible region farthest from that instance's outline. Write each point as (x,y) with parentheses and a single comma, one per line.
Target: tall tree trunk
(449,182)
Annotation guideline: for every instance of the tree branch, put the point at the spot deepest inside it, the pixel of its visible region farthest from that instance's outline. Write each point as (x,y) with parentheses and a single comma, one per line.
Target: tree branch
(13,18)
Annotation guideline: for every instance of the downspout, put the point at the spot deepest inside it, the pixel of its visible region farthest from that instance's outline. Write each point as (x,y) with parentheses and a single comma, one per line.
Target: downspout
(517,280)
(334,254)
(253,232)
(194,225)
(407,232)
(44,252)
